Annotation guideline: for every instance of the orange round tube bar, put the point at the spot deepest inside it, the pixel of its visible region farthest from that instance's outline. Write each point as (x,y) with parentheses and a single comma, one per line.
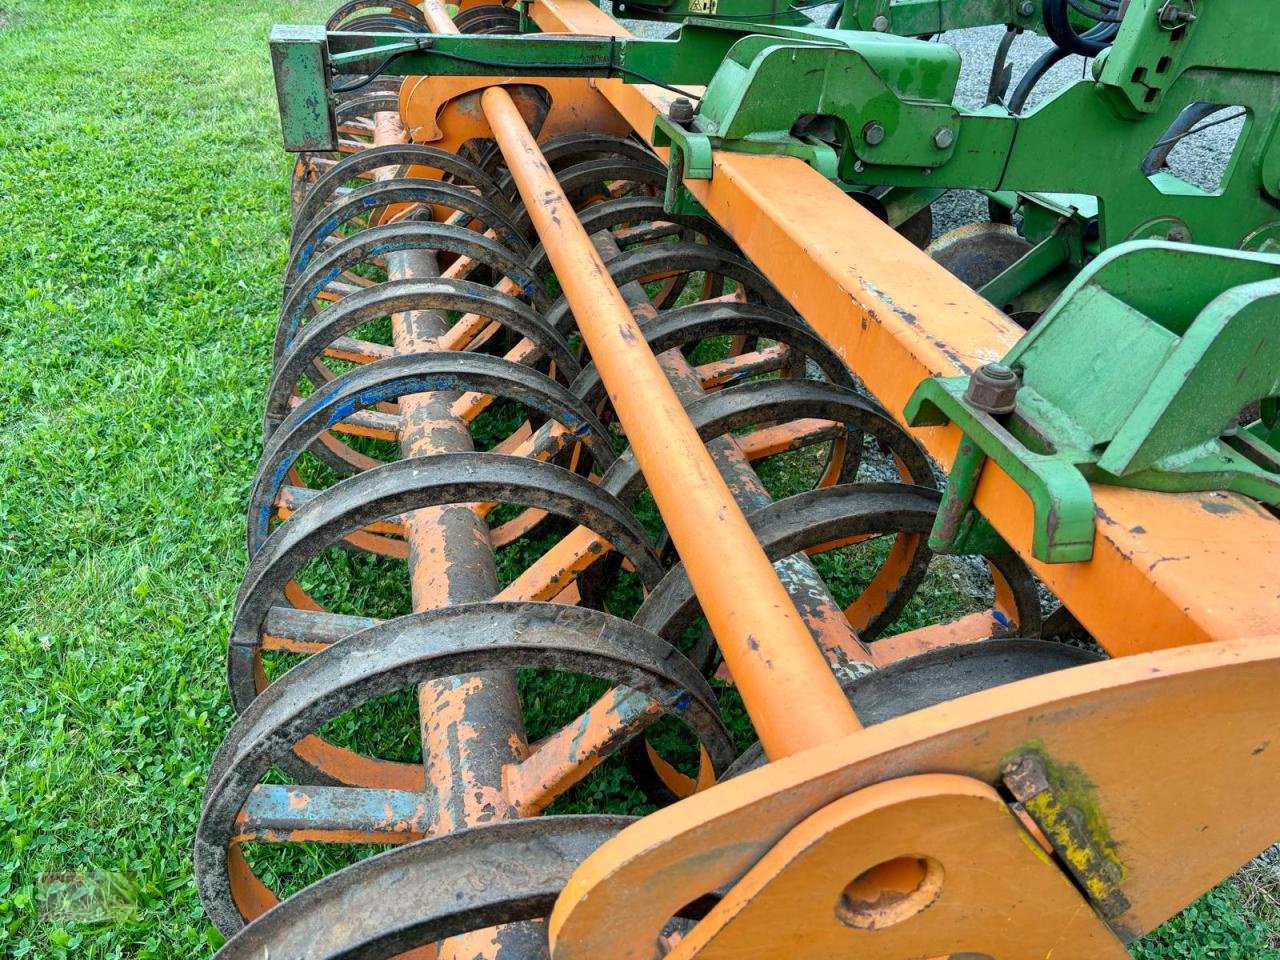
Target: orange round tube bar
(787,687)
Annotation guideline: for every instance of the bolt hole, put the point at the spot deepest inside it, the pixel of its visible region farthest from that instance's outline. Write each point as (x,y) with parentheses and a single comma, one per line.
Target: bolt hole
(890,892)
(1162,66)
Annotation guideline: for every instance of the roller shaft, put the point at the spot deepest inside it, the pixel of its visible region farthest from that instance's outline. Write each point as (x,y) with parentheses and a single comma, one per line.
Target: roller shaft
(786,684)
(470,726)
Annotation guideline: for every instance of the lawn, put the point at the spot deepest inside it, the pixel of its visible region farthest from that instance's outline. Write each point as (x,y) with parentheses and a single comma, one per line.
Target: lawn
(146,215)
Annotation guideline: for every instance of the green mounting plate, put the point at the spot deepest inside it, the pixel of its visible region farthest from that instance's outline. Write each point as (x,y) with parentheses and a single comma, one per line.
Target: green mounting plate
(1136,377)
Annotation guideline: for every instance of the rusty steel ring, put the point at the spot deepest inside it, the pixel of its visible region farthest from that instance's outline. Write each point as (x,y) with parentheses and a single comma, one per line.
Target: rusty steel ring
(309,241)
(410,650)
(488,18)
(369,245)
(396,488)
(831,514)
(613,214)
(661,258)
(716,414)
(937,676)
(354,6)
(396,296)
(470,879)
(585,180)
(570,149)
(394,155)
(291,433)
(385,23)
(683,326)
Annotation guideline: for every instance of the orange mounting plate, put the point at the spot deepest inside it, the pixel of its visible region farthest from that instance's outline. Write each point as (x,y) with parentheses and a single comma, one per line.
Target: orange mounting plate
(1200,723)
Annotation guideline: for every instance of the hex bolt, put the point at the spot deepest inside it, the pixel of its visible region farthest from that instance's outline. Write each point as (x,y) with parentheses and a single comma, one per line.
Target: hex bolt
(1026,8)
(992,389)
(943,137)
(1171,15)
(880,24)
(873,133)
(680,111)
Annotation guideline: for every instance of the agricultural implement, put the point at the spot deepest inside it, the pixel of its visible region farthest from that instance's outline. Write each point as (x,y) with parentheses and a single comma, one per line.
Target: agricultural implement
(610,383)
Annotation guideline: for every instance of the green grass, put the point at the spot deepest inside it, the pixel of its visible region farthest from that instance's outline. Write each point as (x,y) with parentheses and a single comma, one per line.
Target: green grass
(145,217)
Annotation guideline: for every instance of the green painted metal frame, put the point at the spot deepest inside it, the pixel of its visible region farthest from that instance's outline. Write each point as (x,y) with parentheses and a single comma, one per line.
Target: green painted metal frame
(1136,377)
(875,110)
(883,132)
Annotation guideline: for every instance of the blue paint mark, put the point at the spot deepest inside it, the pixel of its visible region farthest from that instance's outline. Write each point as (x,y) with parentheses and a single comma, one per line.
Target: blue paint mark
(683,701)
(1000,618)
(577,740)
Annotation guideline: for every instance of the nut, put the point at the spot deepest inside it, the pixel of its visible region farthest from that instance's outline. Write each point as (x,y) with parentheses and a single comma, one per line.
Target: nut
(992,389)
(680,111)
(943,137)
(1026,8)
(880,24)
(1171,15)
(873,133)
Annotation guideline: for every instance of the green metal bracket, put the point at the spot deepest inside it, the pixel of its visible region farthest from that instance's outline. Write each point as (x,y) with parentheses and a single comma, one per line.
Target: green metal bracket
(886,112)
(1137,378)
(920,18)
(300,59)
(1151,49)
(1060,497)
(830,74)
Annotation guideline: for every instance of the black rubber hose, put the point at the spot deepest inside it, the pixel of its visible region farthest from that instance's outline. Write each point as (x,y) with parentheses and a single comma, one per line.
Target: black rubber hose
(1058,27)
(1102,33)
(1187,120)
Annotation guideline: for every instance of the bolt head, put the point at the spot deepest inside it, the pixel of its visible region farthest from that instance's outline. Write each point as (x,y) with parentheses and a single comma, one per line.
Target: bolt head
(993,389)
(858,166)
(1026,8)
(1172,15)
(1178,234)
(680,111)
(943,138)
(873,133)
(880,24)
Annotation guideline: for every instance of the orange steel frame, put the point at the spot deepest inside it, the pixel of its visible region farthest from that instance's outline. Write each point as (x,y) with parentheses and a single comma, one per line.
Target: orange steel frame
(1167,571)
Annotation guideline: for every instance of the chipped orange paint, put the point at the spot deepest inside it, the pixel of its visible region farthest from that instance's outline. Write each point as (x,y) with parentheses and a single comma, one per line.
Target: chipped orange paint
(785,437)
(968,629)
(557,568)
(569,754)
(358,351)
